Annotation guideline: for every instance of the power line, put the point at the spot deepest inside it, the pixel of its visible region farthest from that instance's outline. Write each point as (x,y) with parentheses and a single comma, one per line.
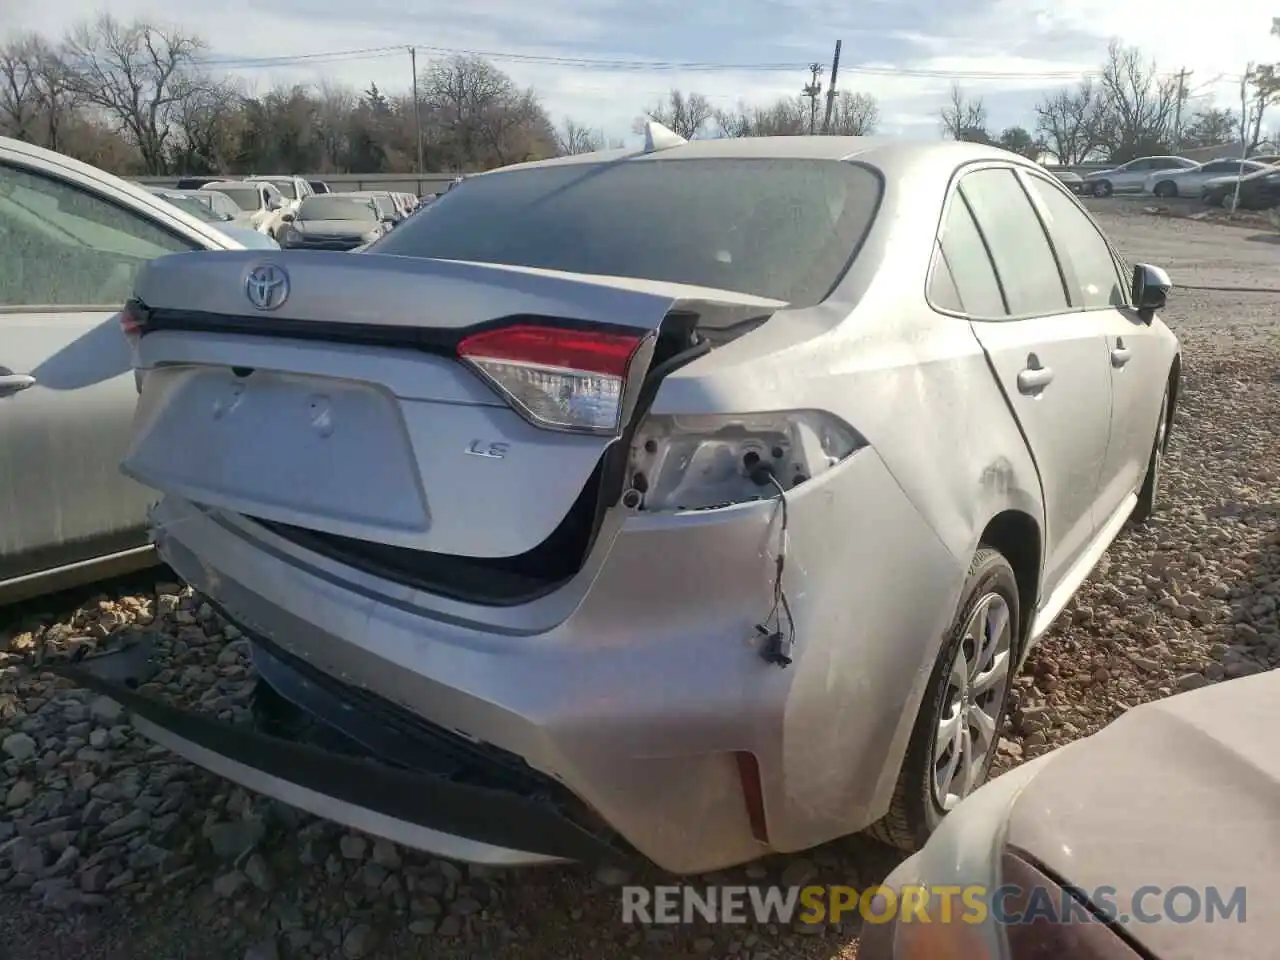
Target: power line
(603,64)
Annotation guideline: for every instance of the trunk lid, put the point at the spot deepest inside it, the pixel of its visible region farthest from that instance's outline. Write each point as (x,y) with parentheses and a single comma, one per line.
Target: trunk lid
(344,412)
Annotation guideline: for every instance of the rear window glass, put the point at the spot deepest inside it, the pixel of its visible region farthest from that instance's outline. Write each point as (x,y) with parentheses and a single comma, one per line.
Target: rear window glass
(778,228)
(336,208)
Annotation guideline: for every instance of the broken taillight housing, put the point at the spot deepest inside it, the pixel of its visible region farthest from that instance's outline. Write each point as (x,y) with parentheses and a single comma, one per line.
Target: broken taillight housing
(557,378)
(707,461)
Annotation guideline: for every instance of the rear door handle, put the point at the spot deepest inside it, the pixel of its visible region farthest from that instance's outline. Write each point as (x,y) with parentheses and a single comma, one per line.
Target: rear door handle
(1034,379)
(15,383)
(1120,356)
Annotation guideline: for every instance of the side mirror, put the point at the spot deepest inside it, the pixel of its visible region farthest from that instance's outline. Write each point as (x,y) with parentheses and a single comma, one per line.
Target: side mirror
(1150,290)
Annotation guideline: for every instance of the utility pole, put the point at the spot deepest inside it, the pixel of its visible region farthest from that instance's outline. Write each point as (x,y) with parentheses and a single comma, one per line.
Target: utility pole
(831,89)
(813,90)
(1177,108)
(417,106)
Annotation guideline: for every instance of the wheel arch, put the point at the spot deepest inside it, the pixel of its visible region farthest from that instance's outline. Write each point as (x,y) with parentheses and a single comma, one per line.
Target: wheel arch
(1175,386)
(1016,535)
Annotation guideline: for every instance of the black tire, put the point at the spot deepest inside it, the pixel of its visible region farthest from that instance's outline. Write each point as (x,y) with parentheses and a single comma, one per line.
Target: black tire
(915,812)
(1103,188)
(1166,188)
(1148,496)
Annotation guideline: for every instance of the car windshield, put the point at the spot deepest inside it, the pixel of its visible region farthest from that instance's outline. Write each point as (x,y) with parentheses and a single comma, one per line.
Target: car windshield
(192,206)
(785,229)
(221,204)
(336,208)
(286,187)
(386,207)
(246,198)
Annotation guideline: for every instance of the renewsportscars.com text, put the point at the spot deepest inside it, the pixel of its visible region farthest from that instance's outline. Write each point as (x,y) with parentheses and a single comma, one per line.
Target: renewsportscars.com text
(919,904)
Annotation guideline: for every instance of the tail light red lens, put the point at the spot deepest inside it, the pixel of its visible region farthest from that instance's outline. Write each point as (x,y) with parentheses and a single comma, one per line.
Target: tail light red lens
(558,379)
(130,320)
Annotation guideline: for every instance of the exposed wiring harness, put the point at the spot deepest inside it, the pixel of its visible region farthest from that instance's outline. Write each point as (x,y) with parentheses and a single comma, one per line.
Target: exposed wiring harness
(779,637)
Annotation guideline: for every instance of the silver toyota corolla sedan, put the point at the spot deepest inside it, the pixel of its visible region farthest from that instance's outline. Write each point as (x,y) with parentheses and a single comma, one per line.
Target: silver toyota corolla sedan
(696,502)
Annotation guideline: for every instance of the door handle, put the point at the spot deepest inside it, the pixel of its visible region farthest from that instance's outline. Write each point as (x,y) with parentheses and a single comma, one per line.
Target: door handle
(1120,356)
(1033,380)
(15,382)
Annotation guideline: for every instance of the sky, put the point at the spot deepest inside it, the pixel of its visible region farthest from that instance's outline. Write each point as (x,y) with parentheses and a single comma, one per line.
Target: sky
(582,55)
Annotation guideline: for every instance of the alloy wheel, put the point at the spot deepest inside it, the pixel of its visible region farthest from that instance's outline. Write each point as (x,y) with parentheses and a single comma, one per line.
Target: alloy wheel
(974,701)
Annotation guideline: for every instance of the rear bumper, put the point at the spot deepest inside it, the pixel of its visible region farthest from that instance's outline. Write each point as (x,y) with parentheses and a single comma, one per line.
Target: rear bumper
(638,686)
(418,791)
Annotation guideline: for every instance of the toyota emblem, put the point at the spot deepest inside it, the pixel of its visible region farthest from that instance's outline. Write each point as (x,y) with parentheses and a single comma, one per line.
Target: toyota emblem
(267,286)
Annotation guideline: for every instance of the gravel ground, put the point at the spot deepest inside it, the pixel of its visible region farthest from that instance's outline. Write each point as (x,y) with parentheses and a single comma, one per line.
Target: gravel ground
(109,847)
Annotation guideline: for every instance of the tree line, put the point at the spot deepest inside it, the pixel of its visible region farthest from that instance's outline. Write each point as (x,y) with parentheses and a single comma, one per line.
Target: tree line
(1128,110)
(138,98)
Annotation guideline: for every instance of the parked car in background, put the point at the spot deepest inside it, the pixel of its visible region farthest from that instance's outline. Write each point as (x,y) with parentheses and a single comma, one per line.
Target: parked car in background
(1259,190)
(1187,182)
(603,457)
(1072,181)
(293,189)
(202,205)
(1068,817)
(1131,177)
(318,186)
(334,222)
(72,239)
(260,202)
(194,183)
(388,209)
(1271,159)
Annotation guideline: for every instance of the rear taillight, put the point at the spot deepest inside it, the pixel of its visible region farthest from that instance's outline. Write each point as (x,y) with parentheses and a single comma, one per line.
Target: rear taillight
(131,320)
(708,461)
(557,378)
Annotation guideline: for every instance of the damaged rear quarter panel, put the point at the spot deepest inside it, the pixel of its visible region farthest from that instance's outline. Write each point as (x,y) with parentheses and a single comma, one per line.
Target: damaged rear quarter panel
(884,557)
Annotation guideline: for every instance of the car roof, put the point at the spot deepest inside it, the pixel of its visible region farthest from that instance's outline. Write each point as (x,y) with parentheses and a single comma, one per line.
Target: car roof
(887,153)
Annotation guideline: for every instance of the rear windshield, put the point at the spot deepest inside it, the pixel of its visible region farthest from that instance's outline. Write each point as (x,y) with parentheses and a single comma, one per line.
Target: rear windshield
(336,208)
(192,206)
(779,228)
(286,187)
(246,198)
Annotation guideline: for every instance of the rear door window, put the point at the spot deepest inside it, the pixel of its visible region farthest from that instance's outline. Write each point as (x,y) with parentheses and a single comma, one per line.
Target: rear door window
(779,228)
(61,245)
(965,267)
(1024,261)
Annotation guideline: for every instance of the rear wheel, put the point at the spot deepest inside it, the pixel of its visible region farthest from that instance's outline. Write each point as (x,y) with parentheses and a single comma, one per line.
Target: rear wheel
(1102,188)
(1145,508)
(964,707)
(1166,188)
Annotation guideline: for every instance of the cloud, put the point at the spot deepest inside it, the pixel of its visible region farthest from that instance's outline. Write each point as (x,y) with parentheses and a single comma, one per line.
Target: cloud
(904,52)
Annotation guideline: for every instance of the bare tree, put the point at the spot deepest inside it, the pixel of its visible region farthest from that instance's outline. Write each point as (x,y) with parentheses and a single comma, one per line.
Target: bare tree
(785,117)
(135,73)
(19,99)
(206,125)
(334,109)
(686,114)
(854,114)
(1069,122)
(572,138)
(36,98)
(964,117)
(1139,105)
(481,117)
